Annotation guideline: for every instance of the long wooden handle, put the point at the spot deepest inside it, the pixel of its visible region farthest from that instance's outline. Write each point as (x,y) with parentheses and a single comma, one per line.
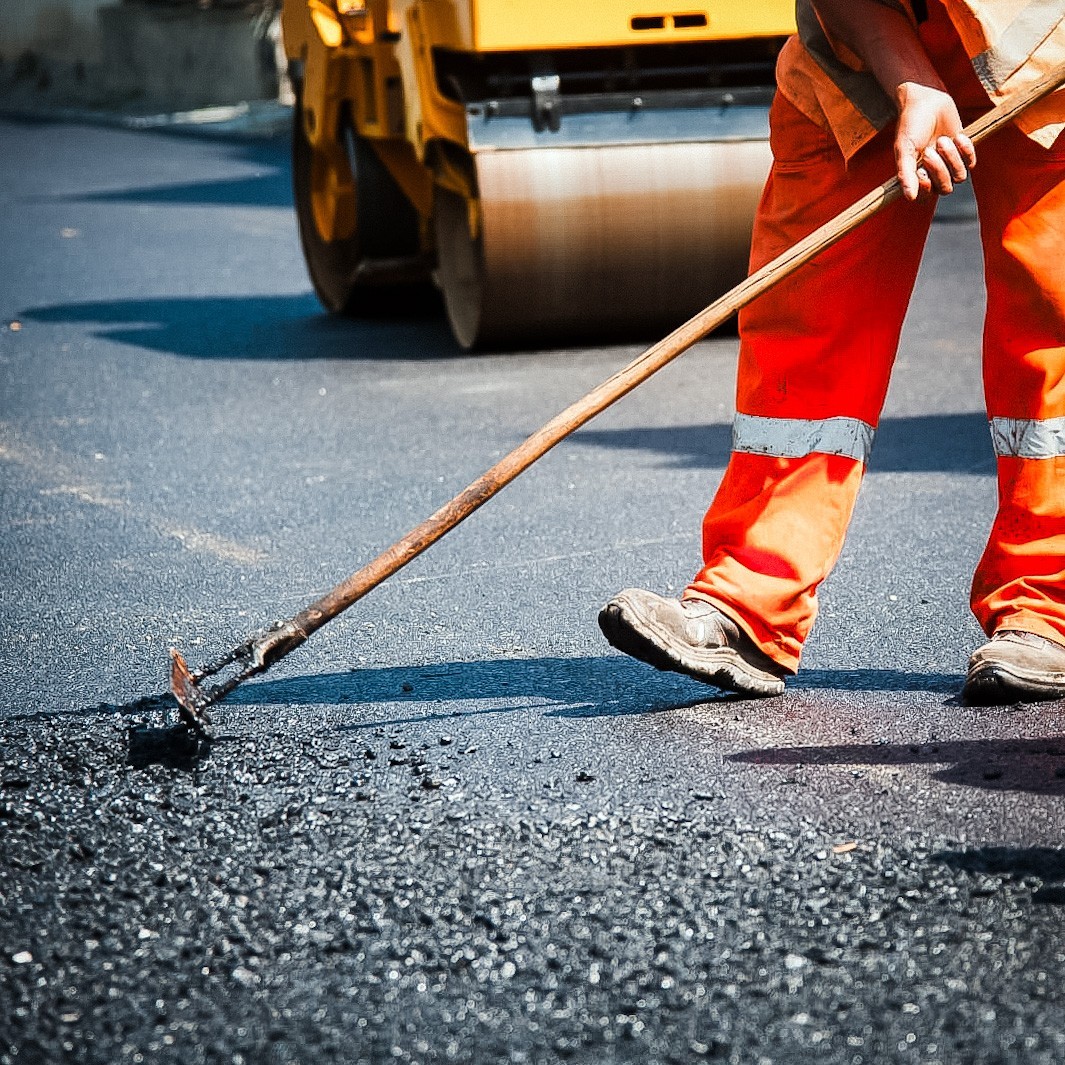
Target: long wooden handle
(291,633)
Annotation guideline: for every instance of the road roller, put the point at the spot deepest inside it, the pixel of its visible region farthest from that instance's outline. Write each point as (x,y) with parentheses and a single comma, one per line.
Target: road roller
(560,169)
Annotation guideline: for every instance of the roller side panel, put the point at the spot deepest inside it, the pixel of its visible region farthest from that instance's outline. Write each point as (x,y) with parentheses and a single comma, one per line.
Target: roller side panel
(504,24)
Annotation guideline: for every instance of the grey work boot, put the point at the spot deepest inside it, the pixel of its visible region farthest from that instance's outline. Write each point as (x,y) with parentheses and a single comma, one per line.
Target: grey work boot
(1013,667)
(691,637)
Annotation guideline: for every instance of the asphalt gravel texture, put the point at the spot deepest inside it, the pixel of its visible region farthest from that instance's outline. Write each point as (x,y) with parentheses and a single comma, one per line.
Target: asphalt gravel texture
(456,827)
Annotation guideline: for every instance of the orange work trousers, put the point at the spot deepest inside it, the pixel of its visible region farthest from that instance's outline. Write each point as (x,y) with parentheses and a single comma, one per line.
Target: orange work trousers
(816,354)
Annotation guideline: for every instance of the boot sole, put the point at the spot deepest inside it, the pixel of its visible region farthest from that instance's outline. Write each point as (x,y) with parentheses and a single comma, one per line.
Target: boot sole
(723,667)
(992,684)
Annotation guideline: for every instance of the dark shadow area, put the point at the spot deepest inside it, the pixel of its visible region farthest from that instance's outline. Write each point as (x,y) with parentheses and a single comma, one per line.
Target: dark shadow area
(588,687)
(1035,764)
(403,322)
(271,187)
(1015,863)
(607,686)
(174,746)
(948,443)
(556,679)
(290,327)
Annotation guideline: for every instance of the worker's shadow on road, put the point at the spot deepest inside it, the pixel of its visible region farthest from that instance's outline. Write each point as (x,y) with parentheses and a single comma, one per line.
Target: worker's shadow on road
(290,328)
(610,685)
(607,686)
(1028,764)
(1042,868)
(949,443)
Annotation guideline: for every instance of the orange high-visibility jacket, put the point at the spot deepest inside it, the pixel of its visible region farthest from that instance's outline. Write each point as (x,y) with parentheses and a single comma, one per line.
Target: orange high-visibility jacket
(1011,43)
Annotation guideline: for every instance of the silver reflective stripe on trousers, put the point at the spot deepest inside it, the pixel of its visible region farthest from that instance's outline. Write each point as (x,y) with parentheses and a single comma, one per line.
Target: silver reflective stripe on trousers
(793,438)
(1028,438)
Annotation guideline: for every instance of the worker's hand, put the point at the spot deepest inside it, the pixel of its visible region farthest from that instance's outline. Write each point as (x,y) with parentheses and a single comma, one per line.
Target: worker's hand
(931,152)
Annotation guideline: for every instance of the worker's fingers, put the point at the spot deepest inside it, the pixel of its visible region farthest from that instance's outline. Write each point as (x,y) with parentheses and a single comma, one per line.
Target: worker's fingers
(948,151)
(914,173)
(938,171)
(966,149)
(912,178)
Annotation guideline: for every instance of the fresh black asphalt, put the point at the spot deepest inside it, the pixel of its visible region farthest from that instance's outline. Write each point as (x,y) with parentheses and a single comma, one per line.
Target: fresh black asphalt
(457,827)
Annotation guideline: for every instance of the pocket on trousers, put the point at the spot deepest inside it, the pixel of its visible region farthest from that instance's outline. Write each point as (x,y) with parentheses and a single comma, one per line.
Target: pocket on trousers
(797,142)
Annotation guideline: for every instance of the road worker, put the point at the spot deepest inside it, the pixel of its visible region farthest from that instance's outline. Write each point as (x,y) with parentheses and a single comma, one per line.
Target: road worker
(867,86)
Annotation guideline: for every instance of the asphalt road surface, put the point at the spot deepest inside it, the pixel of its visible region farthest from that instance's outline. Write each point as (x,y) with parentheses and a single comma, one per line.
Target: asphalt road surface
(456,826)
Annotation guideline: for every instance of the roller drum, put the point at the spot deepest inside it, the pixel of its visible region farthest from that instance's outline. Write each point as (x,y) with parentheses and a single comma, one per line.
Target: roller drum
(609,241)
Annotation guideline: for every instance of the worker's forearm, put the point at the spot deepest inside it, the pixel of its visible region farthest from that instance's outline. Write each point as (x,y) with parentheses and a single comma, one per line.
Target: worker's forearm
(932,151)
(885,41)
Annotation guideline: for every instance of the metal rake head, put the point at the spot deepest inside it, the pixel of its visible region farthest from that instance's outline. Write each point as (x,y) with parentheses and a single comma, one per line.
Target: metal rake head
(246,659)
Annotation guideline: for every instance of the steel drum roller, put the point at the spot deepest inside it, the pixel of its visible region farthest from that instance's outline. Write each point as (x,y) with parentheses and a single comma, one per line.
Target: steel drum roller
(617,239)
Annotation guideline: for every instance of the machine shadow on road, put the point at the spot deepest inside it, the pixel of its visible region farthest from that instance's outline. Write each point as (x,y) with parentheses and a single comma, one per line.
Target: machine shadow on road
(1027,764)
(269,186)
(281,327)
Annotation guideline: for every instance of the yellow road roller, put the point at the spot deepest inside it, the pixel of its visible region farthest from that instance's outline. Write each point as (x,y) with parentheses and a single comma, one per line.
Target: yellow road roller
(560,168)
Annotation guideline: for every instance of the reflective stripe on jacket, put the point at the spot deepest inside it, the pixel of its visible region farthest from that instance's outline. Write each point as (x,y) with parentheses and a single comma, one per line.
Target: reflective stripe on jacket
(1011,43)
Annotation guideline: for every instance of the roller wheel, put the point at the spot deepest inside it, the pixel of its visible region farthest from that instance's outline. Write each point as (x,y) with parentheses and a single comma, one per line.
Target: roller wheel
(359,233)
(460,268)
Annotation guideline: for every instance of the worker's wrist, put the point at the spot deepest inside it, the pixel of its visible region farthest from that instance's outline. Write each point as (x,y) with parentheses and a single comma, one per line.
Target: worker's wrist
(908,91)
